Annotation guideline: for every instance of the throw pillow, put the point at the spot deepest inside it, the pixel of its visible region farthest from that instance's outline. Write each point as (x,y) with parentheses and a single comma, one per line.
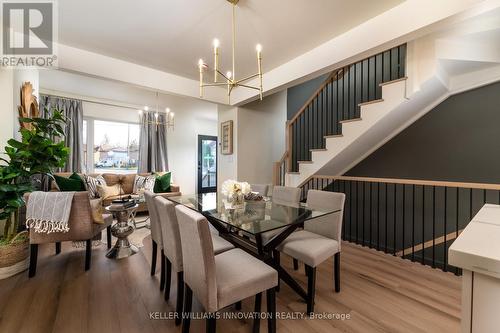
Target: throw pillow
(108,191)
(92,185)
(96,207)
(73,183)
(142,183)
(162,183)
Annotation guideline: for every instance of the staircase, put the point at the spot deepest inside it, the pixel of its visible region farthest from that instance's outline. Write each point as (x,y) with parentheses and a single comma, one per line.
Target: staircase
(363,105)
(350,101)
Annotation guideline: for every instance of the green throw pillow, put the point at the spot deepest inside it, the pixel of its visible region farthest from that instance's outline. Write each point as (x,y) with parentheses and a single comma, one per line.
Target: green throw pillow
(73,183)
(162,183)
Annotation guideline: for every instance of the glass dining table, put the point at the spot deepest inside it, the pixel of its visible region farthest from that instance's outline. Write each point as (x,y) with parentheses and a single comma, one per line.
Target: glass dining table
(257,227)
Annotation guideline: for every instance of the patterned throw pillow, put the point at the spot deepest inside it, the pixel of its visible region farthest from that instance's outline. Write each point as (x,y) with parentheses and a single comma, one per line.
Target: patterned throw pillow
(144,183)
(92,183)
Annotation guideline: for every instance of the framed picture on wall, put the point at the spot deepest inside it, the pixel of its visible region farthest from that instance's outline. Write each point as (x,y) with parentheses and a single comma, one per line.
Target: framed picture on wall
(227,137)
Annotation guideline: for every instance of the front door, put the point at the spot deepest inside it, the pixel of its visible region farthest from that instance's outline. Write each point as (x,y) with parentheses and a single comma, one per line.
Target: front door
(207,163)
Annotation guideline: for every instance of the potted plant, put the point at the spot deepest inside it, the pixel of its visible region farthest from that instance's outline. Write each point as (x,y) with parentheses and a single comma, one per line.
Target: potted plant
(36,153)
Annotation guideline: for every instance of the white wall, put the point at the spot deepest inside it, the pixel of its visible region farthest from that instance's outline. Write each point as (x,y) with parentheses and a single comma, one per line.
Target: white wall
(227,167)
(261,138)
(258,139)
(192,117)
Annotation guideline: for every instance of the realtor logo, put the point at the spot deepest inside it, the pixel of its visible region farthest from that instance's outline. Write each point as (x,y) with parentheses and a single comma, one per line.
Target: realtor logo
(28,33)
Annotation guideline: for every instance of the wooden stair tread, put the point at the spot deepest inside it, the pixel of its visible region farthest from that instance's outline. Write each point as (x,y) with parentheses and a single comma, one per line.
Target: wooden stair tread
(349,120)
(371,102)
(393,81)
(319,149)
(293,172)
(305,162)
(333,136)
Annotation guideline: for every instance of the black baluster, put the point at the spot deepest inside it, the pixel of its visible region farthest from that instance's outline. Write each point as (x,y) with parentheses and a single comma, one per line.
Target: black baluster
(445,261)
(423,224)
(370,216)
(394,219)
(363,215)
(378,216)
(386,201)
(413,224)
(433,226)
(404,215)
(456,223)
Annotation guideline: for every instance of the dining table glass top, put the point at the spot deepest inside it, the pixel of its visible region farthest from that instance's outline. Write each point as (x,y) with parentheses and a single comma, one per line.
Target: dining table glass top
(254,217)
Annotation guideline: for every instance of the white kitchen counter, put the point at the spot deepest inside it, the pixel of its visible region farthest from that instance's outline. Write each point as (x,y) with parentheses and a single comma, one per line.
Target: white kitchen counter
(477,252)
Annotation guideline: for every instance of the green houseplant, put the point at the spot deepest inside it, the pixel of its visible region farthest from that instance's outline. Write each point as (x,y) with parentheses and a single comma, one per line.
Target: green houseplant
(36,153)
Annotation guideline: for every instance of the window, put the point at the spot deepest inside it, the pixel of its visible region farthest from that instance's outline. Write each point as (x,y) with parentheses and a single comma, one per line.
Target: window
(115,146)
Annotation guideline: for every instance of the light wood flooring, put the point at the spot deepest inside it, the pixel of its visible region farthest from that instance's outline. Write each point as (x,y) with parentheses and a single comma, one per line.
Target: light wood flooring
(379,293)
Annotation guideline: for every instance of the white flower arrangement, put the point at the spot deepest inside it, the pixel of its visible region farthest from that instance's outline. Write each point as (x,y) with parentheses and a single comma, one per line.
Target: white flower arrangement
(231,187)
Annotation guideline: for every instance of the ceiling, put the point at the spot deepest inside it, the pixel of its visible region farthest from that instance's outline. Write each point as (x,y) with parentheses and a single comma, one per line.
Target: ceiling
(171,35)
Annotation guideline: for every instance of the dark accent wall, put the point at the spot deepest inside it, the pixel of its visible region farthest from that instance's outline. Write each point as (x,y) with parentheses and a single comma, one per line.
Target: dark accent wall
(298,95)
(459,140)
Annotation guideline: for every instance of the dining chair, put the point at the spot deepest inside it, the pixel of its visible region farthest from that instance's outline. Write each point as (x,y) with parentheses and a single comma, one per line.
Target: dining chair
(156,237)
(173,250)
(224,279)
(286,194)
(319,240)
(260,188)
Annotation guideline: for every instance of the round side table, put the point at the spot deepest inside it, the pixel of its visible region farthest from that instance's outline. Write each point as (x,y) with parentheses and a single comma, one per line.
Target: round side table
(121,230)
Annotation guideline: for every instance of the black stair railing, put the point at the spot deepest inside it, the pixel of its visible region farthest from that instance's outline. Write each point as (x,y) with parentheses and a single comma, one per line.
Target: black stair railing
(338,99)
(413,219)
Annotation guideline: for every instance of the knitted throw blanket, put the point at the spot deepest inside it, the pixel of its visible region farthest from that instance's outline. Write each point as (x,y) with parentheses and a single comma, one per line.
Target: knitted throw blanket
(48,212)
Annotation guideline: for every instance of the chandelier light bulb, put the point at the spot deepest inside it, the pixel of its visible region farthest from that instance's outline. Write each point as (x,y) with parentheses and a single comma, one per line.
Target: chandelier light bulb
(167,110)
(201,63)
(146,108)
(156,115)
(258,48)
(140,112)
(216,43)
(229,74)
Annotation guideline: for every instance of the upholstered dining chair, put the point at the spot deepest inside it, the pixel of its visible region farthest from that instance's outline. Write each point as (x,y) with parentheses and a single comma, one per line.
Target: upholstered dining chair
(286,194)
(173,250)
(82,227)
(156,237)
(224,279)
(320,239)
(260,188)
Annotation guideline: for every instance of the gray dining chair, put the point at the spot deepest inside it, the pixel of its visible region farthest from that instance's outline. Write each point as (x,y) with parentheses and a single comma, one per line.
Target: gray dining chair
(260,188)
(173,250)
(218,281)
(320,239)
(286,194)
(156,236)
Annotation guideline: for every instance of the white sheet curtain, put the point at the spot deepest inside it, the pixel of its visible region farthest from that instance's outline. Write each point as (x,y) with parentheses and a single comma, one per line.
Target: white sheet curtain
(153,144)
(73,110)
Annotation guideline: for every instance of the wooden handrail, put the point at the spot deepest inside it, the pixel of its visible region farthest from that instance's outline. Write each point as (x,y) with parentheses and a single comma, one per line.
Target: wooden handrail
(335,75)
(276,168)
(482,186)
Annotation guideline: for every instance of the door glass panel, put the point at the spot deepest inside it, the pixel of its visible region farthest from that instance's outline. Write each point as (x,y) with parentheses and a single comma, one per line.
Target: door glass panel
(208,163)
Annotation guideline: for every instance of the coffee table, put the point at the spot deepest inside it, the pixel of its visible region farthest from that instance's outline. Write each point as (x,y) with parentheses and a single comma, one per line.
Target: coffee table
(121,230)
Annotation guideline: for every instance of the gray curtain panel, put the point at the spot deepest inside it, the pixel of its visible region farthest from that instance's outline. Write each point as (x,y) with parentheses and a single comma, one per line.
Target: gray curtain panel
(153,144)
(73,110)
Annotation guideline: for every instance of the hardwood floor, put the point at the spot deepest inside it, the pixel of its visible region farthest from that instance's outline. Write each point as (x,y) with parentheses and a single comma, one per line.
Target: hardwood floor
(379,293)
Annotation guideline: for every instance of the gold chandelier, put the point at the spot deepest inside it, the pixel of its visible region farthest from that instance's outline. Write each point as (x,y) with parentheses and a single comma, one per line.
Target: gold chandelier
(167,123)
(230,80)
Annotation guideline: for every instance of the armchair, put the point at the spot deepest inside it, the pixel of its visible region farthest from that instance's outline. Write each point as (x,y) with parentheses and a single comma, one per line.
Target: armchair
(82,227)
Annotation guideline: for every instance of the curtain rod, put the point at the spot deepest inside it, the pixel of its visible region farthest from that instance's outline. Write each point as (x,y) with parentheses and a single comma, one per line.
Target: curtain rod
(95,101)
